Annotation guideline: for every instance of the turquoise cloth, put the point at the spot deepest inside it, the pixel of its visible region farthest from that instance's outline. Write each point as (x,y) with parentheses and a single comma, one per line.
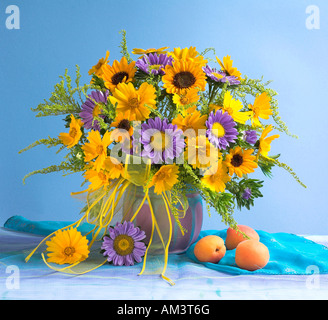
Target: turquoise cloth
(42,228)
(289,254)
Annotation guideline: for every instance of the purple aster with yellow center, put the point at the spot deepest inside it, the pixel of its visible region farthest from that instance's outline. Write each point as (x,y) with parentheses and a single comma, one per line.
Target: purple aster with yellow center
(161,141)
(91,109)
(219,76)
(154,63)
(221,129)
(124,245)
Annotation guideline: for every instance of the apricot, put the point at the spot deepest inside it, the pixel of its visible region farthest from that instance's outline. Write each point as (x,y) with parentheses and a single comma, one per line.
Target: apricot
(234,237)
(251,255)
(210,249)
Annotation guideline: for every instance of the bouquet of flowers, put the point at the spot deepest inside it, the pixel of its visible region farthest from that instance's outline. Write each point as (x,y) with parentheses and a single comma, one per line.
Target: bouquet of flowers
(167,121)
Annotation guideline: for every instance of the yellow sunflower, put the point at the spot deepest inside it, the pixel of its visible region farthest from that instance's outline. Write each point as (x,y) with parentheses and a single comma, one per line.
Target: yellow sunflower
(97,69)
(190,119)
(187,98)
(200,153)
(68,246)
(261,109)
(96,148)
(240,161)
(184,75)
(151,50)
(233,107)
(188,54)
(265,142)
(72,138)
(227,67)
(216,180)
(165,178)
(119,72)
(134,103)
(123,129)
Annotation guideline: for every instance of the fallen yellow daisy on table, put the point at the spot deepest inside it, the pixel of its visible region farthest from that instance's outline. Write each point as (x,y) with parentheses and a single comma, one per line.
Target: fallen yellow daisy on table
(68,246)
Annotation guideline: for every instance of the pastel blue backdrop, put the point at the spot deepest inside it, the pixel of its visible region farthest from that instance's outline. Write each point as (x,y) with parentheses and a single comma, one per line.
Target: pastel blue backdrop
(266,38)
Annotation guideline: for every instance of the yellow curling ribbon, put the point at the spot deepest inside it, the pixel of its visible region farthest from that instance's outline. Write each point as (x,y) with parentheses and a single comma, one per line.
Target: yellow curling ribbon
(104,204)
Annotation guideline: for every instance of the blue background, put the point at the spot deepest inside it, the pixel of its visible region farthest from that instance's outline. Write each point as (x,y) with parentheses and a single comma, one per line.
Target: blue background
(266,38)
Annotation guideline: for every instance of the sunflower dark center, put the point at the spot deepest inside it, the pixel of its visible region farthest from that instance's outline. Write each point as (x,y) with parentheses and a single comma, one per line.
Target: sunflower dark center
(124,124)
(119,77)
(184,79)
(237,160)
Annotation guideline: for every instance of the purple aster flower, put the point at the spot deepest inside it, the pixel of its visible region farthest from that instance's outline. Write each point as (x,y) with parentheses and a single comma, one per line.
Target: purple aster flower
(247,194)
(219,76)
(221,129)
(154,63)
(91,108)
(161,140)
(250,136)
(123,245)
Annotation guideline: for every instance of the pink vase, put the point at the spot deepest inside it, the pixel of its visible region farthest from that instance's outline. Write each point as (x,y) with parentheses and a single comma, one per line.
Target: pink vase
(191,221)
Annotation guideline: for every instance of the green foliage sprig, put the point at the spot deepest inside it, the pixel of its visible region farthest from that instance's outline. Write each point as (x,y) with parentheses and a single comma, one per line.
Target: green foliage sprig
(257,86)
(63,99)
(124,47)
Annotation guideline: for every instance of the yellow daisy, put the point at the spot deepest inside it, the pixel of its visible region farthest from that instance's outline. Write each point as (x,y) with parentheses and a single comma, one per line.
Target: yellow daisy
(114,167)
(240,161)
(165,178)
(227,67)
(119,72)
(200,153)
(97,148)
(97,179)
(216,180)
(190,119)
(261,109)
(151,50)
(187,98)
(98,68)
(184,75)
(72,138)
(265,142)
(68,246)
(233,107)
(188,54)
(134,103)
